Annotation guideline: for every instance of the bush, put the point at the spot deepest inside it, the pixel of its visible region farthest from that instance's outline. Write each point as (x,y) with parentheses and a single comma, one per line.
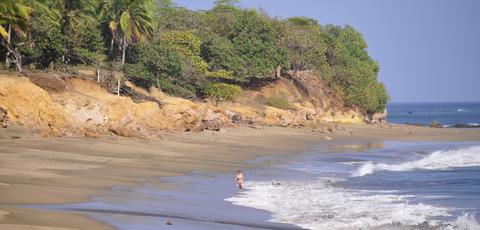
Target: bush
(173,64)
(254,39)
(222,91)
(220,55)
(354,71)
(167,86)
(85,44)
(275,102)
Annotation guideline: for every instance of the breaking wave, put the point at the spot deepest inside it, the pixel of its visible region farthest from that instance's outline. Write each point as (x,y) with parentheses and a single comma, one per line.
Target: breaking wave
(438,160)
(321,205)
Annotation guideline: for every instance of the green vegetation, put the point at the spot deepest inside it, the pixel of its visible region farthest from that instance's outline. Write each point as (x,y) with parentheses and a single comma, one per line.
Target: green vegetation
(275,102)
(188,53)
(222,91)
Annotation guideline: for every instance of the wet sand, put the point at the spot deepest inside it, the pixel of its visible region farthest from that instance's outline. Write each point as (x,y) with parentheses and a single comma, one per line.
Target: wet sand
(71,170)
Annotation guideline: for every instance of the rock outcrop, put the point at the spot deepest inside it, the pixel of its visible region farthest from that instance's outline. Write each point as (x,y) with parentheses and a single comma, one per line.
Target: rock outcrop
(55,104)
(310,99)
(377,118)
(29,106)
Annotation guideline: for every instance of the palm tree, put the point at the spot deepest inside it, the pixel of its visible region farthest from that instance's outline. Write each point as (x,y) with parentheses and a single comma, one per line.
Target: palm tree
(74,13)
(132,21)
(15,16)
(107,16)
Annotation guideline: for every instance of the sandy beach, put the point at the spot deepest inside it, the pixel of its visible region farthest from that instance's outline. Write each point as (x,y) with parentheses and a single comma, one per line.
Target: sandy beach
(70,170)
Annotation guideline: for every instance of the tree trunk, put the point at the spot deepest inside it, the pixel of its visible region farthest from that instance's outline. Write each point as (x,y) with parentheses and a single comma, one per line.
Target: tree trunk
(124,50)
(111,48)
(17,55)
(64,52)
(118,87)
(278,71)
(7,60)
(123,55)
(18,62)
(13,51)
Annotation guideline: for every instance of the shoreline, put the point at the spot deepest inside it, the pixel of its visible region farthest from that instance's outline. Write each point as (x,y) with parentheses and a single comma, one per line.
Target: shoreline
(70,170)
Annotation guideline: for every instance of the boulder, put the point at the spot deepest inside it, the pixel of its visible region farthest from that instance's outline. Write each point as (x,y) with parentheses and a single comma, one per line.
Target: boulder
(436,124)
(377,118)
(234,117)
(215,121)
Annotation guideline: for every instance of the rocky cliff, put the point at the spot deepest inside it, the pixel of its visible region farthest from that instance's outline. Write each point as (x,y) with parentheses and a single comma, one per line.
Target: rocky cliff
(59,105)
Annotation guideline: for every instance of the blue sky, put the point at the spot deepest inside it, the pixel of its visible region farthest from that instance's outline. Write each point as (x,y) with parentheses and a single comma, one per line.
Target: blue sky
(428,50)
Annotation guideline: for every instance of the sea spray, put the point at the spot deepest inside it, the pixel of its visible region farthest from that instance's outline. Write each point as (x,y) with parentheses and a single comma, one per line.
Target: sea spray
(320,205)
(438,160)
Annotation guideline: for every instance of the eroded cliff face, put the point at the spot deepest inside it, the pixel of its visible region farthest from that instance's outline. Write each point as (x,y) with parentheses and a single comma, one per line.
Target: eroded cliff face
(28,106)
(71,106)
(310,100)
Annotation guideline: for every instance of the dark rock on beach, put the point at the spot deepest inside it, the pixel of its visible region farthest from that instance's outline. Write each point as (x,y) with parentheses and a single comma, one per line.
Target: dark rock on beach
(436,124)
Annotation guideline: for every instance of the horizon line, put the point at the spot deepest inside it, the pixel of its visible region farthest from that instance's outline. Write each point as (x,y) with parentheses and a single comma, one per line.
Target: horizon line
(433,102)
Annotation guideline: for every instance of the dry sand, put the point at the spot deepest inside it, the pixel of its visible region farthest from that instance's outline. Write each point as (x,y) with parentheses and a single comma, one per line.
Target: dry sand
(67,170)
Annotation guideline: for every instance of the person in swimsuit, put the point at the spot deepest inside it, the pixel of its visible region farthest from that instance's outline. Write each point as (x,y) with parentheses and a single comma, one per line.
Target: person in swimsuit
(240,180)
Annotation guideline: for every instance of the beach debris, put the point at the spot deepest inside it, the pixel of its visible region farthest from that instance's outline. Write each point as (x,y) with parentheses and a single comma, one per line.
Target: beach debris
(436,124)
(329,129)
(168,223)
(350,132)
(254,127)
(327,138)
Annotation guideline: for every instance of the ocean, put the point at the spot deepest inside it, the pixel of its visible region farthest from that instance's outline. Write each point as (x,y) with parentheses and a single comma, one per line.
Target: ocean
(392,185)
(448,114)
(337,185)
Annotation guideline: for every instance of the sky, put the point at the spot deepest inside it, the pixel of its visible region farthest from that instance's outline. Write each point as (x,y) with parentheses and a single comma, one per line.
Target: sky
(428,50)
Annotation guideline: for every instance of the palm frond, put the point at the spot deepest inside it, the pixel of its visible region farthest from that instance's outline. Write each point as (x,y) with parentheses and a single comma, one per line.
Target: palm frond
(3,32)
(125,25)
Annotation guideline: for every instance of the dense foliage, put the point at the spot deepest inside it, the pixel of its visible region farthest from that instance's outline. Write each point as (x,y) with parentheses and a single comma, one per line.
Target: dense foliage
(188,53)
(222,91)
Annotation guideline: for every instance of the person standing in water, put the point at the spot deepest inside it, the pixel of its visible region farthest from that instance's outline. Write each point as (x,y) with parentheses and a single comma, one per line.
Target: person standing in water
(240,180)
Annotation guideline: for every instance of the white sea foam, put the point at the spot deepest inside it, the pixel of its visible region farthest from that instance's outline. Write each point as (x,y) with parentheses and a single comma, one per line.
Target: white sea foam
(438,160)
(466,221)
(318,205)
(352,163)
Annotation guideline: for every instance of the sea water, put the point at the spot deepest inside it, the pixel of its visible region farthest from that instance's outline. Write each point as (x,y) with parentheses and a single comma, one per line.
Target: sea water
(338,185)
(401,185)
(448,114)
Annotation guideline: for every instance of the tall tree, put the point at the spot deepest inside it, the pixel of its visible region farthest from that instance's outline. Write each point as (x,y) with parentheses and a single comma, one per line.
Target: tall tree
(254,38)
(74,13)
(107,17)
(132,21)
(303,39)
(15,15)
